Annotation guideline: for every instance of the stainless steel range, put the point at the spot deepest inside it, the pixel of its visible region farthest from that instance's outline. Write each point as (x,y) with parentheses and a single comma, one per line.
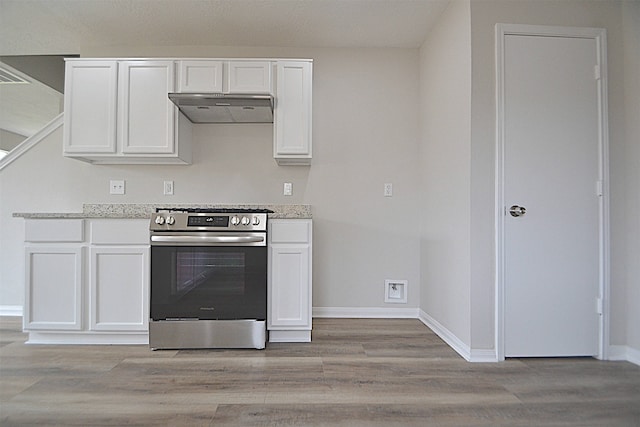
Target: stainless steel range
(208,278)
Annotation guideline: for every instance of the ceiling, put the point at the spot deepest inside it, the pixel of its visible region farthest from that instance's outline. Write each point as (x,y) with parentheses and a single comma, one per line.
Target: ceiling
(45,27)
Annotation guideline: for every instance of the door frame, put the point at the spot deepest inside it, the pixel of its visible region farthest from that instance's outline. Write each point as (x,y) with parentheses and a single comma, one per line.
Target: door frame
(602,186)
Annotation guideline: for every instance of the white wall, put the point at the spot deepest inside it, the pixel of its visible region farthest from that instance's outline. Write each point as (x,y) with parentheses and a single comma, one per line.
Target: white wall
(631,48)
(445,171)
(446,250)
(365,134)
(484,16)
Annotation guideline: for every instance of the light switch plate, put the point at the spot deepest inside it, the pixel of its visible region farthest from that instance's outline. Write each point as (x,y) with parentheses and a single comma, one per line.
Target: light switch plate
(168,188)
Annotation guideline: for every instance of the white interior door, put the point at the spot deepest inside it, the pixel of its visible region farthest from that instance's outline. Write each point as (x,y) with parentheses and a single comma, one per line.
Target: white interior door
(551,157)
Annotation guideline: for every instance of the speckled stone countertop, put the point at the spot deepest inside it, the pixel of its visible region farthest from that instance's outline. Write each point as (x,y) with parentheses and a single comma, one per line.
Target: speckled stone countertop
(145,210)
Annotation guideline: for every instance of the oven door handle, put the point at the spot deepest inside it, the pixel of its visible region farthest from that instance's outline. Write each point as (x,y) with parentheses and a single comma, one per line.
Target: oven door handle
(207,239)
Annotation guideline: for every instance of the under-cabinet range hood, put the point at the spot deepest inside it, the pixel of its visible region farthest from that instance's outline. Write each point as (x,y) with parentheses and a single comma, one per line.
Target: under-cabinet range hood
(224,108)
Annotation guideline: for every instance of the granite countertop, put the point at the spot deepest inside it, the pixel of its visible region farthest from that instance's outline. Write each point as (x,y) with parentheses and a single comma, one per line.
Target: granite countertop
(145,210)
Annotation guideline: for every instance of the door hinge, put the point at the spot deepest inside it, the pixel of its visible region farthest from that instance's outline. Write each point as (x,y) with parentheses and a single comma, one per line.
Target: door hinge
(599,188)
(599,306)
(596,72)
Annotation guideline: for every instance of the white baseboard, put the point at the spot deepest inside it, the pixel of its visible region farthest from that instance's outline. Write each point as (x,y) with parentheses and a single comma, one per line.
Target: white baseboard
(366,312)
(11,310)
(89,338)
(469,354)
(480,355)
(453,341)
(624,352)
(289,336)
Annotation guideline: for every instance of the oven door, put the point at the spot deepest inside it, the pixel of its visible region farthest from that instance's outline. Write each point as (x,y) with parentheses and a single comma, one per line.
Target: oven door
(208,282)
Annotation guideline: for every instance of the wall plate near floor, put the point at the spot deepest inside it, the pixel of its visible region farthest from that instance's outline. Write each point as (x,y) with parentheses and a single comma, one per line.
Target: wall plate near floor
(395,291)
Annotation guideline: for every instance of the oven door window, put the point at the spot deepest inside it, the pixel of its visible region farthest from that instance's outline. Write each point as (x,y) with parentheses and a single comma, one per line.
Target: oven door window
(221,283)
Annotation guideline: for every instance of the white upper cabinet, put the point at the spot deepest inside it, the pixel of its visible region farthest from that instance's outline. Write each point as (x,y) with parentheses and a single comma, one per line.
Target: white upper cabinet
(292,114)
(120,112)
(90,95)
(249,77)
(216,76)
(200,76)
(147,117)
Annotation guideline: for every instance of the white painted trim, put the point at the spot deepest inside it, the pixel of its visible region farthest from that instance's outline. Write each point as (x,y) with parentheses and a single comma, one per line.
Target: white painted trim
(624,353)
(11,310)
(447,336)
(366,312)
(88,338)
(481,355)
(550,31)
(599,35)
(32,141)
(471,355)
(290,336)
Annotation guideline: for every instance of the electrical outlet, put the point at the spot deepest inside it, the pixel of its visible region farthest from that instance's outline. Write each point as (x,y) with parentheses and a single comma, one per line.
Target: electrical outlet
(288,189)
(388,190)
(168,188)
(116,187)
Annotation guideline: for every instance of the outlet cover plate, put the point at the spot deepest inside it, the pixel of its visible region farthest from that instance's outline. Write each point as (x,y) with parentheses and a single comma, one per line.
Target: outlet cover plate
(395,291)
(388,190)
(116,186)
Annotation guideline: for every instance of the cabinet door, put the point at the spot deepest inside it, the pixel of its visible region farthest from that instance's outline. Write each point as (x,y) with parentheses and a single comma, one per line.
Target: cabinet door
(290,297)
(146,115)
(119,288)
(249,77)
(292,121)
(53,299)
(90,106)
(200,76)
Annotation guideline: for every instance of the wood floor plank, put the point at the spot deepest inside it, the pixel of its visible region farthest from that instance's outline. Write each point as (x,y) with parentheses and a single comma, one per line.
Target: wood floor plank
(355,372)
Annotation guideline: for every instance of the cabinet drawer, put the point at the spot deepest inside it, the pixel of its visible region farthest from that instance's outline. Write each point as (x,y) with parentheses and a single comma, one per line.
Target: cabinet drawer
(119,232)
(290,231)
(54,230)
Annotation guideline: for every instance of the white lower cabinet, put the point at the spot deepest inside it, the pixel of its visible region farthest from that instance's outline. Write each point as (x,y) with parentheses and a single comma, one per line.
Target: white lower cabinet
(118,301)
(87,281)
(289,307)
(54,287)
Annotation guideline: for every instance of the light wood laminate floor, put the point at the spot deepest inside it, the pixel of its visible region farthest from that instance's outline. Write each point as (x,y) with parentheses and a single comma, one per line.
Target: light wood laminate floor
(356,372)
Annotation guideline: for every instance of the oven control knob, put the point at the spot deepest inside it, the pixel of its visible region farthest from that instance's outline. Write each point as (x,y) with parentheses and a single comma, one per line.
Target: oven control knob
(245,220)
(159,220)
(171,220)
(235,220)
(256,220)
